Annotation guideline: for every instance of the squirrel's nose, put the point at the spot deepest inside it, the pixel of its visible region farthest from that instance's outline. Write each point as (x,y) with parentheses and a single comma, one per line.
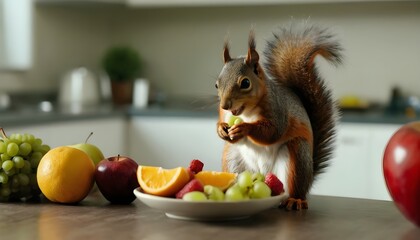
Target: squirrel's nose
(226,105)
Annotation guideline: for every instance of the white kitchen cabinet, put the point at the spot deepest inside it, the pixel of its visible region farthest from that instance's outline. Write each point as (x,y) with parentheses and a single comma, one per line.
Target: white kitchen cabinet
(356,168)
(174,141)
(109,134)
(347,174)
(16,34)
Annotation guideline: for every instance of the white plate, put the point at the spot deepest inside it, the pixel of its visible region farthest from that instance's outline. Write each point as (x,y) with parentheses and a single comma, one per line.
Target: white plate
(208,210)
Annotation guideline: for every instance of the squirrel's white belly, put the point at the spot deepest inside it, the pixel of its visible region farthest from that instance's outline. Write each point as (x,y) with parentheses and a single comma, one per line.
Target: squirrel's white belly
(262,159)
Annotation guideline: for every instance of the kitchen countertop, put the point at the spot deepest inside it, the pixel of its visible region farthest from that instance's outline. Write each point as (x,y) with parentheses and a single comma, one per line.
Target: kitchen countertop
(94,218)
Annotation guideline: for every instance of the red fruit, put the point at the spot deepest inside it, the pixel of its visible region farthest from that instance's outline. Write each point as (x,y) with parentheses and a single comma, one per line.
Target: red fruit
(196,166)
(274,183)
(193,185)
(116,178)
(401,167)
(190,173)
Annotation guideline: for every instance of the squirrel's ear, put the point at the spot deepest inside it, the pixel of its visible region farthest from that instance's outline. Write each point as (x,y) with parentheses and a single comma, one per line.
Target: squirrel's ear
(226,55)
(252,57)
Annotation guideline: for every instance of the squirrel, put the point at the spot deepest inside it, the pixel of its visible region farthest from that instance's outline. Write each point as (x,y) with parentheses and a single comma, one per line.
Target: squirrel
(288,112)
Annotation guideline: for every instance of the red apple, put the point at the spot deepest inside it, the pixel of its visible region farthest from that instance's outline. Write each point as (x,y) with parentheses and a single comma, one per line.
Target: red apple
(401,166)
(116,178)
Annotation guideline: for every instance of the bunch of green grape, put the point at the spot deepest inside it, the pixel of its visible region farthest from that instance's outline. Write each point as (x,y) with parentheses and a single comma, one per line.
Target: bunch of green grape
(20,155)
(247,186)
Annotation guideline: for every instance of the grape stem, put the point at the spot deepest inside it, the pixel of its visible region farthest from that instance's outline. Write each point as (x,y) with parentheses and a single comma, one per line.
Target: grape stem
(87,139)
(3,133)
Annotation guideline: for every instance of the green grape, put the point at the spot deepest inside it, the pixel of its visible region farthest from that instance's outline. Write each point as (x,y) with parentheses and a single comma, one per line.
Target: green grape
(7,165)
(244,179)
(23,179)
(5,191)
(6,141)
(260,190)
(4,178)
(4,157)
(234,193)
(33,181)
(237,121)
(233,120)
(38,141)
(45,149)
(3,147)
(26,167)
(34,163)
(24,137)
(35,159)
(36,155)
(29,138)
(12,149)
(25,148)
(19,161)
(214,193)
(194,196)
(17,138)
(244,191)
(15,183)
(20,155)
(36,144)
(11,172)
(37,147)
(258,177)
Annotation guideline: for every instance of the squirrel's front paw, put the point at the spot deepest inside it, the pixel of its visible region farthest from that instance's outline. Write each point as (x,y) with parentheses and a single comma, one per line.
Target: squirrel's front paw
(237,132)
(222,130)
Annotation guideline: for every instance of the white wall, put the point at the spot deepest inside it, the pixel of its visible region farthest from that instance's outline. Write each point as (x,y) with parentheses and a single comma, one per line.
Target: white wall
(181,47)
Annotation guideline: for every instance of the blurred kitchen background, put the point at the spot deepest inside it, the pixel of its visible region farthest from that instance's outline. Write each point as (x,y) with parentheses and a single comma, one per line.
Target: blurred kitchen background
(179,43)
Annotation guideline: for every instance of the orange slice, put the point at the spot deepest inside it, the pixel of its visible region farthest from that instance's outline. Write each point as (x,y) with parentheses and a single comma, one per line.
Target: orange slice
(222,180)
(162,182)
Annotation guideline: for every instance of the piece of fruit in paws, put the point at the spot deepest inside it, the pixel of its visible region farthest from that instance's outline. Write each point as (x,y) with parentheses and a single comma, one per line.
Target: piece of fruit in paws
(233,120)
(196,166)
(191,186)
(274,183)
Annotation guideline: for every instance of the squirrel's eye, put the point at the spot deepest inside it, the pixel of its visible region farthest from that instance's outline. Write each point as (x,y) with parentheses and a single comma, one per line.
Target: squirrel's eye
(217,86)
(245,83)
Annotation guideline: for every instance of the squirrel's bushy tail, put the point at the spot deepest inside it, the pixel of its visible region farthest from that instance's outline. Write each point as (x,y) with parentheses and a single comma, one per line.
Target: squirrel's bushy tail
(290,62)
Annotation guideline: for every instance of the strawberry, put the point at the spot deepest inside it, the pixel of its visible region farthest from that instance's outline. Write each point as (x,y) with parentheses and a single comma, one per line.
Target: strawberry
(190,173)
(274,183)
(193,185)
(196,166)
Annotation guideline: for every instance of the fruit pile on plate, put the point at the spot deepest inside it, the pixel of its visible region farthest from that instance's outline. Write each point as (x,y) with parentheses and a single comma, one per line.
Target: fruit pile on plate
(194,184)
